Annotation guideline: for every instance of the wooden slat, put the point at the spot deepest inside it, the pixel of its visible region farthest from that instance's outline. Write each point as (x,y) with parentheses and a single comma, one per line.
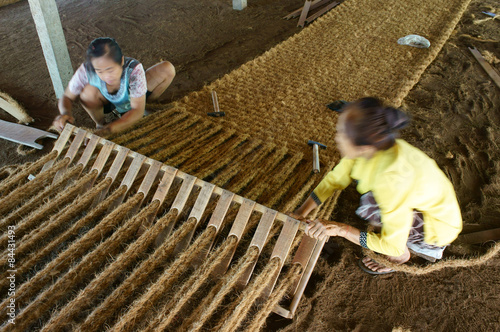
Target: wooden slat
(262,231)
(237,229)
(196,213)
(178,204)
(302,256)
(89,150)
(303,15)
(72,151)
(161,191)
(285,239)
(314,4)
(184,192)
(129,178)
(103,156)
(216,221)
(120,158)
(113,170)
(8,104)
(258,241)
(220,211)
(59,145)
(133,169)
(303,281)
(486,66)
(201,202)
(165,183)
(150,177)
(281,250)
(242,218)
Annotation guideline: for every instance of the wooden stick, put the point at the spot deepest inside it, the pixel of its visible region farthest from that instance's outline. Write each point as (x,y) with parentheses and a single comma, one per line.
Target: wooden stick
(480,237)
(306,275)
(237,230)
(72,151)
(60,144)
(196,213)
(303,15)
(321,12)
(281,249)
(258,241)
(486,66)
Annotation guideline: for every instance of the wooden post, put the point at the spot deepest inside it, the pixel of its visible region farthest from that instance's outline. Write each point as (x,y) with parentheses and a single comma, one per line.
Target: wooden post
(50,33)
(239,4)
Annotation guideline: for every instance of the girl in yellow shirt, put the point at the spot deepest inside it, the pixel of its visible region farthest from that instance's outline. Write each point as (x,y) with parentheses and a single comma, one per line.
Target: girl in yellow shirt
(403,190)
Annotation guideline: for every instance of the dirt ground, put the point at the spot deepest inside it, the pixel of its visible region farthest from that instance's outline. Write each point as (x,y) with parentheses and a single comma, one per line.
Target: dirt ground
(456,120)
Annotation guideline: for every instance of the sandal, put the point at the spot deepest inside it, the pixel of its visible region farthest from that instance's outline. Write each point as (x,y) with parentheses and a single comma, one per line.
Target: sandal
(363,267)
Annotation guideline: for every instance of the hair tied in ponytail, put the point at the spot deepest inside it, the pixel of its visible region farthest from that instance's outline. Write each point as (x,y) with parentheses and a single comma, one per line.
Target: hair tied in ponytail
(396,119)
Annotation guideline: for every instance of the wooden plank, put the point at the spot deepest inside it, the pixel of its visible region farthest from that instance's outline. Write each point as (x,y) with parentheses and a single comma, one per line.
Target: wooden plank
(165,184)
(321,12)
(479,237)
(89,150)
(262,231)
(184,192)
(303,281)
(129,178)
(285,239)
(120,158)
(239,224)
(281,249)
(241,220)
(178,204)
(103,156)
(150,177)
(196,213)
(282,312)
(113,170)
(220,211)
(303,15)
(302,257)
(147,181)
(72,151)
(162,189)
(258,241)
(202,201)
(216,221)
(486,66)
(60,144)
(133,169)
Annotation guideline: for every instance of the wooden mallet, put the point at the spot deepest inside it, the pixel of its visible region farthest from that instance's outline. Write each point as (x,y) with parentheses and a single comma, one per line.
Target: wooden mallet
(315,146)
(217,112)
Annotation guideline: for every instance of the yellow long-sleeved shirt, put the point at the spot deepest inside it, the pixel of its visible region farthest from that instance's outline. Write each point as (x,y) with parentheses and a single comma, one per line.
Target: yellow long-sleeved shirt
(402,179)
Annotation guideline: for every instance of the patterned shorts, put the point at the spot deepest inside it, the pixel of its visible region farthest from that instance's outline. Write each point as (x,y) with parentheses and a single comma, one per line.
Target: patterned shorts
(368,209)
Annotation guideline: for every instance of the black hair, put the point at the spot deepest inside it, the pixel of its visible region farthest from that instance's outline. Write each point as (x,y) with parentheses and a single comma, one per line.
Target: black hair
(104,46)
(370,122)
